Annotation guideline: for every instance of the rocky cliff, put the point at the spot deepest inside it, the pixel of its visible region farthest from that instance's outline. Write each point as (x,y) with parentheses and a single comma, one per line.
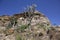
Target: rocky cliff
(25,26)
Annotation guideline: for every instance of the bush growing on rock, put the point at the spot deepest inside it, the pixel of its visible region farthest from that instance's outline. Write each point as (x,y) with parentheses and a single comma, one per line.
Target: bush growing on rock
(18,37)
(22,27)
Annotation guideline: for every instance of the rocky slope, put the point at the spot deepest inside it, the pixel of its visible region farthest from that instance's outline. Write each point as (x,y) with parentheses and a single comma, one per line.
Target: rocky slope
(24,26)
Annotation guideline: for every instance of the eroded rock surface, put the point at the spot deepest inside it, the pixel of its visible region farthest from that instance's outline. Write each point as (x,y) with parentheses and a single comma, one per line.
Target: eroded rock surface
(23,27)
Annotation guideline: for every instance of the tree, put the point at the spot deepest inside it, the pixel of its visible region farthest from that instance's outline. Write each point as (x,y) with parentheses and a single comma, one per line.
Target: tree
(30,10)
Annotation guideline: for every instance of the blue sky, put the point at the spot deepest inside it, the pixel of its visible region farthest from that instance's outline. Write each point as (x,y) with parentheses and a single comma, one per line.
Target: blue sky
(51,8)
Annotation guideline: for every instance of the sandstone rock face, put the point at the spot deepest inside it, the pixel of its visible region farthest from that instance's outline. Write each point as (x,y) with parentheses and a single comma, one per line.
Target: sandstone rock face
(54,34)
(24,27)
(37,18)
(10,37)
(35,30)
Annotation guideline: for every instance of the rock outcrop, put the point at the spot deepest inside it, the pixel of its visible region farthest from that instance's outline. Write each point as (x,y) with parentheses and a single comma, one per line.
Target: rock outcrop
(29,28)
(26,26)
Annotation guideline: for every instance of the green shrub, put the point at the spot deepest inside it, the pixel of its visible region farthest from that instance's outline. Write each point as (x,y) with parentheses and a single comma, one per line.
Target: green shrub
(9,26)
(18,37)
(22,27)
(45,27)
(13,21)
